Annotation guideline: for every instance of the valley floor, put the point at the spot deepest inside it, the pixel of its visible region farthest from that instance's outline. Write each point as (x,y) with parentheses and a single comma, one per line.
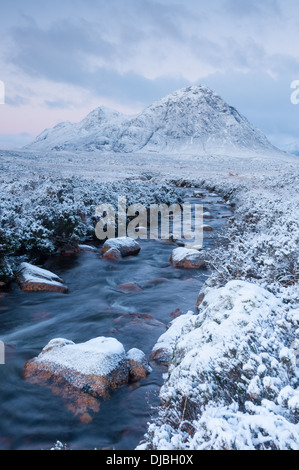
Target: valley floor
(233,378)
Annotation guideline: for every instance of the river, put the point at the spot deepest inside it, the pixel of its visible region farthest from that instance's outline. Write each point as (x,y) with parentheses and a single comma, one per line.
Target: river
(31,416)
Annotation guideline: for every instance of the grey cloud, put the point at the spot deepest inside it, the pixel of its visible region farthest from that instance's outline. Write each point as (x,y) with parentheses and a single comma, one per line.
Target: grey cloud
(57,53)
(16,100)
(245,8)
(58,104)
(126,39)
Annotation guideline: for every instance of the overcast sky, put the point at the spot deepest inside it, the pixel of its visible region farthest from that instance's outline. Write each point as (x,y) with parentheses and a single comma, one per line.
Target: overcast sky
(61,59)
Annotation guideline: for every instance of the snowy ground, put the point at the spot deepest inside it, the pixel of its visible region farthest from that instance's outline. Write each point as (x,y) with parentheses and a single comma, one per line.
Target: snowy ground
(233,378)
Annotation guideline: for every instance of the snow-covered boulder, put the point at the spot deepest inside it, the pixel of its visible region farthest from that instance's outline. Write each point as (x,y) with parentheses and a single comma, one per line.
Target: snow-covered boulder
(163,350)
(187,258)
(34,279)
(81,373)
(114,248)
(139,367)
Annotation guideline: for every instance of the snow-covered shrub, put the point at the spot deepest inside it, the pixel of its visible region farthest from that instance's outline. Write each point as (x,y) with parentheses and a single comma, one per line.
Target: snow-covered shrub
(38,216)
(233,380)
(261,241)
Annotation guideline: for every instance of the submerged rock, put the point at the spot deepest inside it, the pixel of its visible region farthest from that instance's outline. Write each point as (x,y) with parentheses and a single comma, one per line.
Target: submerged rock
(132,320)
(187,258)
(139,367)
(121,247)
(130,287)
(34,279)
(155,282)
(176,313)
(88,248)
(207,215)
(80,373)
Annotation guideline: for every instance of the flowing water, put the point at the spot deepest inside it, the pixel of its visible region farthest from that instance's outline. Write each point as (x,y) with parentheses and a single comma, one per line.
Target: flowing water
(34,418)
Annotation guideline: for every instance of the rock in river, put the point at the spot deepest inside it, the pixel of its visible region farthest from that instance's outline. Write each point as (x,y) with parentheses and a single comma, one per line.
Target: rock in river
(129,287)
(187,258)
(123,246)
(80,373)
(34,279)
(138,365)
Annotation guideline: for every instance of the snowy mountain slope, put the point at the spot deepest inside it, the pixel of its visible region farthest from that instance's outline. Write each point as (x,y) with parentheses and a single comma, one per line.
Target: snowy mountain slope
(191,120)
(292,148)
(91,133)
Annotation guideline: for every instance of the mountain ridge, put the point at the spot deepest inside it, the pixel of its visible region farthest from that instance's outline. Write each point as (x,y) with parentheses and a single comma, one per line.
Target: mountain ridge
(192,120)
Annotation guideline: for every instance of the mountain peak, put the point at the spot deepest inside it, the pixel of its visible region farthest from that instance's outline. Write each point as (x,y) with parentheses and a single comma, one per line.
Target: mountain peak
(192,120)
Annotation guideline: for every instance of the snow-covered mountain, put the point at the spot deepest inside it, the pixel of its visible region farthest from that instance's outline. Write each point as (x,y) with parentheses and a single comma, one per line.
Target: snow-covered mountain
(292,148)
(190,120)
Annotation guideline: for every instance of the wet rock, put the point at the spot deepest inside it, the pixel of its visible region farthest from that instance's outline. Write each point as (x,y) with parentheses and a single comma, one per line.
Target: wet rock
(155,282)
(125,246)
(200,299)
(134,319)
(207,228)
(161,356)
(137,326)
(187,258)
(199,194)
(112,254)
(176,313)
(34,279)
(165,241)
(207,215)
(139,367)
(41,316)
(80,373)
(88,248)
(130,287)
